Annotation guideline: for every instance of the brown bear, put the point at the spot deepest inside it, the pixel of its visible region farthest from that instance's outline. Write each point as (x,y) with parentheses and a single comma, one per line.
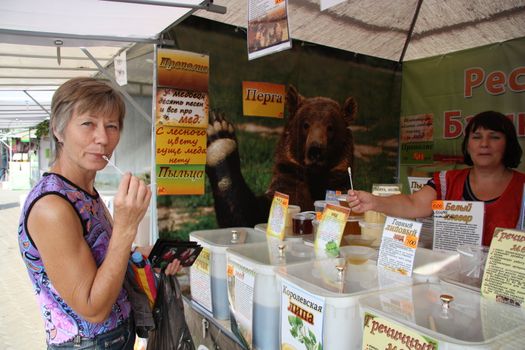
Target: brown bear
(312,156)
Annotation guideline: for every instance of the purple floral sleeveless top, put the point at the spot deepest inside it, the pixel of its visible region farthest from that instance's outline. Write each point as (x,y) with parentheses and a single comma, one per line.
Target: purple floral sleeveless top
(62,324)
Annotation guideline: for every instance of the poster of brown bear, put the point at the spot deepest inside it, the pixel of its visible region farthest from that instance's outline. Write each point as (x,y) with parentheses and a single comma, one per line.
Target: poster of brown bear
(312,156)
(251,157)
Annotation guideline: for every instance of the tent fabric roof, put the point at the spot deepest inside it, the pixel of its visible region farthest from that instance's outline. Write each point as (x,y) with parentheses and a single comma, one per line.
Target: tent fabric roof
(29,68)
(29,59)
(380,27)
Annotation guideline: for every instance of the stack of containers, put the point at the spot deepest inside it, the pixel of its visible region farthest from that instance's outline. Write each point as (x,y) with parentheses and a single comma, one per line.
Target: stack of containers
(208,274)
(456,318)
(260,298)
(342,325)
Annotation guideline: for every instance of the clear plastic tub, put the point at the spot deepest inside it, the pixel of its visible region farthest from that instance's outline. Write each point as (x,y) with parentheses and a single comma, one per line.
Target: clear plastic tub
(265,300)
(372,230)
(469,322)
(342,325)
(472,259)
(213,281)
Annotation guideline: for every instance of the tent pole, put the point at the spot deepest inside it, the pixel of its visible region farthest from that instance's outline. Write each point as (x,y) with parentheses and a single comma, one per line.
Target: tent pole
(117,86)
(410,31)
(35,101)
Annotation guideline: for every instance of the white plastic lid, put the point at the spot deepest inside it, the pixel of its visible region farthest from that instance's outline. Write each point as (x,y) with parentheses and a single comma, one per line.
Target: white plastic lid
(470,320)
(321,277)
(224,237)
(257,255)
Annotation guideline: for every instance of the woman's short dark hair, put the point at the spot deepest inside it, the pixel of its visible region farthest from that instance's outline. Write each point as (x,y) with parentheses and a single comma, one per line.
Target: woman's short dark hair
(495,121)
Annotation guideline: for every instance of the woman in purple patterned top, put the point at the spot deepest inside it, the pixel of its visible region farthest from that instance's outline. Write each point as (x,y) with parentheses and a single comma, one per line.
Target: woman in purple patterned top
(75,253)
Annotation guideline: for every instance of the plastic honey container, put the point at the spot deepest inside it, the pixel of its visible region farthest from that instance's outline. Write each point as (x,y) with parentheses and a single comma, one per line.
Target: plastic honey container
(256,300)
(454,317)
(341,290)
(373,231)
(208,273)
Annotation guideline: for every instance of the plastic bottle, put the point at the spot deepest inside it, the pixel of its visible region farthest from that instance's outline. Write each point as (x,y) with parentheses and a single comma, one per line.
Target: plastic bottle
(140,270)
(137,259)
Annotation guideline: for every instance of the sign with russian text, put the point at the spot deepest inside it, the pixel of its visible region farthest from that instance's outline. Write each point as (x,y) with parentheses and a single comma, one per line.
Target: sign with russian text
(452,88)
(398,245)
(277,218)
(330,231)
(181,119)
(182,108)
(457,222)
(241,287)
(302,316)
(180,146)
(263,99)
(416,138)
(183,70)
(180,179)
(504,277)
(200,279)
(381,333)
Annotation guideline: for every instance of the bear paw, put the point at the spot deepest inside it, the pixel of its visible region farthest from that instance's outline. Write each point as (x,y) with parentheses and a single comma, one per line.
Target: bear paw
(221,140)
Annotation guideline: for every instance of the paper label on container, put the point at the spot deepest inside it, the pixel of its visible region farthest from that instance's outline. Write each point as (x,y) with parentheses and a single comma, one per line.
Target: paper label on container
(302,315)
(504,277)
(241,283)
(386,189)
(398,245)
(497,320)
(330,231)
(200,279)
(278,214)
(417,183)
(457,222)
(382,333)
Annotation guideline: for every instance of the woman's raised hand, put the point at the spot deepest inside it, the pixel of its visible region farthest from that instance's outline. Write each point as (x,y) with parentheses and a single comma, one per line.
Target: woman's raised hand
(131,202)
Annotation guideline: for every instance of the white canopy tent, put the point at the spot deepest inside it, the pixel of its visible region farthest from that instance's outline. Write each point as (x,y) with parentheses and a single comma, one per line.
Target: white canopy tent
(31,31)
(397,30)
(41,41)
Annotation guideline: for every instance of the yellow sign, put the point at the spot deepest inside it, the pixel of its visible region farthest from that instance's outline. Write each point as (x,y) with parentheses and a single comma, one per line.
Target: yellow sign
(180,145)
(180,179)
(381,333)
(504,270)
(183,70)
(330,231)
(263,99)
(278,213)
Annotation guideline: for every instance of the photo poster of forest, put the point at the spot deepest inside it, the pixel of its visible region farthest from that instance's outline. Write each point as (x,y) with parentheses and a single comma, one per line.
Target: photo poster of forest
(314,70)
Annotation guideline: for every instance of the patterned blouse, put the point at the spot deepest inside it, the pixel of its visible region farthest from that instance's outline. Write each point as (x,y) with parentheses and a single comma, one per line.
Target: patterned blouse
(62,324)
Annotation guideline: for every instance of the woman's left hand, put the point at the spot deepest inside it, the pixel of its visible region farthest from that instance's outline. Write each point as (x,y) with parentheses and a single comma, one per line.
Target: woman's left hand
(171,269)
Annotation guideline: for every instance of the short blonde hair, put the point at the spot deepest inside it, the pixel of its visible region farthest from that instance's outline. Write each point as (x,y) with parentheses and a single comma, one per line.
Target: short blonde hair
(83,95)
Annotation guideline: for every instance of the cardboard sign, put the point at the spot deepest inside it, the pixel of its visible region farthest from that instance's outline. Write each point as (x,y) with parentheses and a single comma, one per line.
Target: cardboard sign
(302,315)
(503,279)
(200,278)
(381,333)
(278,214)
(457,222)
(330,231)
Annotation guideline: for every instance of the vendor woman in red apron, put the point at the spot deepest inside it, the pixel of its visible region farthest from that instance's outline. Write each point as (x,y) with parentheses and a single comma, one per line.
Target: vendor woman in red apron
(491,149)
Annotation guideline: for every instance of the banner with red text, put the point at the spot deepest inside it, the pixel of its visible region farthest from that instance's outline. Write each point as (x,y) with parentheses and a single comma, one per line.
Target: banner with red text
(440,94)
(182,107)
